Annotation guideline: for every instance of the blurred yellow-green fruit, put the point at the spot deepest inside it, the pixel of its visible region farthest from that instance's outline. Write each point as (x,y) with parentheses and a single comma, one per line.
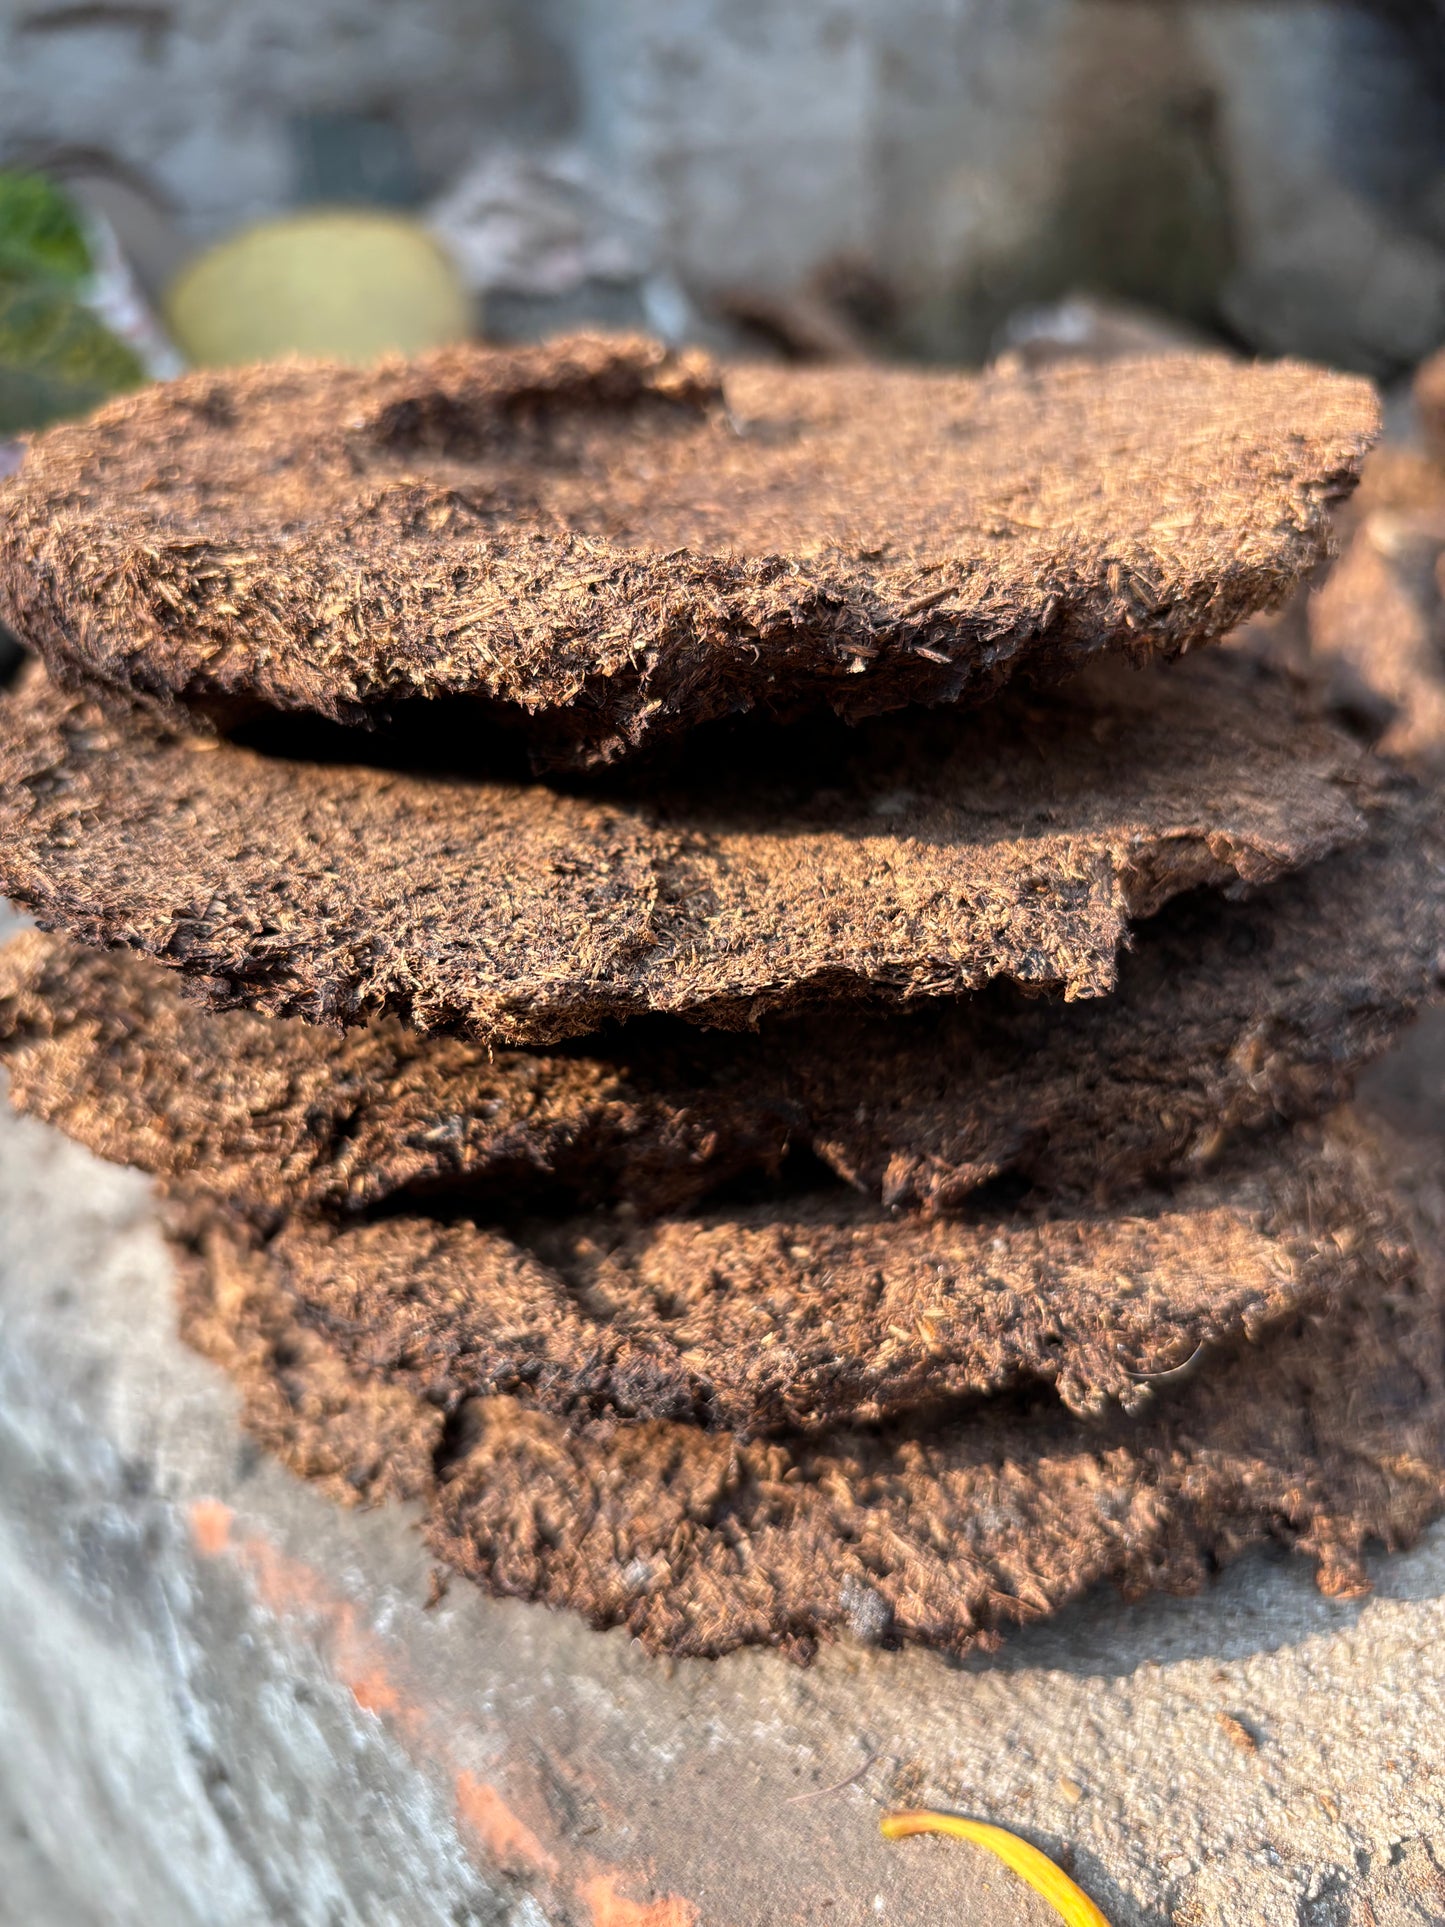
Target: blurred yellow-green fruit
(346,284)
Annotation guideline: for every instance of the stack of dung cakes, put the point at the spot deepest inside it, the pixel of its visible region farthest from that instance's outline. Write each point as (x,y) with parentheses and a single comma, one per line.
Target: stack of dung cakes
(707,1000)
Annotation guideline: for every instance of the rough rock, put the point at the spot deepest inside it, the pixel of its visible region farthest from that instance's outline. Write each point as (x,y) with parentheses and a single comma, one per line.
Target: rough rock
(920,856)
(1328,1435)
(607,542)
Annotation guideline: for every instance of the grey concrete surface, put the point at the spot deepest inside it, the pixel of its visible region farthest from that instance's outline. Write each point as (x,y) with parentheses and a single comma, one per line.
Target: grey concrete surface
(196,99)
(223,1700)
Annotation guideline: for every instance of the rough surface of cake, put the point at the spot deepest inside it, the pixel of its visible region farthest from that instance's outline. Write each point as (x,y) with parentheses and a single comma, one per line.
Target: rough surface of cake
(607,543)
(810,1310)
(1227,1016)
(920,856)
(1327,1436)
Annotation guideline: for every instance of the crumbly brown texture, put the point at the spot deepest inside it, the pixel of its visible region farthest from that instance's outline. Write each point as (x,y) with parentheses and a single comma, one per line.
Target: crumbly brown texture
(815,1310)
(607,542)
(357,1439)
(920,856)
(1227,1017)
(1326,1437)
(284,1117)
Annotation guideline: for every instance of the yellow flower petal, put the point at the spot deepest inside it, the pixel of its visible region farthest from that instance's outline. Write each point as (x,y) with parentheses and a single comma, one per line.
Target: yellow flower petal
(1036,1868)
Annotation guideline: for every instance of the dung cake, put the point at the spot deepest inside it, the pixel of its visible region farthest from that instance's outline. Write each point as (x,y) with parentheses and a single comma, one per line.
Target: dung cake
(606,543)
(1228,1017)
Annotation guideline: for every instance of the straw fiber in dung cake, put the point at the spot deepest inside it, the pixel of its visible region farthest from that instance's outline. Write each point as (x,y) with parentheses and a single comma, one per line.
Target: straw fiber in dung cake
(1227,1017)
(282,1117)
(912,858)
(1327,1435)
(814,1309)
(605,543)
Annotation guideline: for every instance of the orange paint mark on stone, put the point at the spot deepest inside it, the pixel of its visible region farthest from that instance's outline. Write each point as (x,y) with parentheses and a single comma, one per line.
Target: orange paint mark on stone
(361,1666)
(612,1909)
(506,1837)
(374,1692)
(290,1588)
(283,1585)
(210,1526)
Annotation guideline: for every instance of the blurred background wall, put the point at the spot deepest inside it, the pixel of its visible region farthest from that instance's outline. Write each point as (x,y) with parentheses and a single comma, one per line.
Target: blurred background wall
(918,170)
